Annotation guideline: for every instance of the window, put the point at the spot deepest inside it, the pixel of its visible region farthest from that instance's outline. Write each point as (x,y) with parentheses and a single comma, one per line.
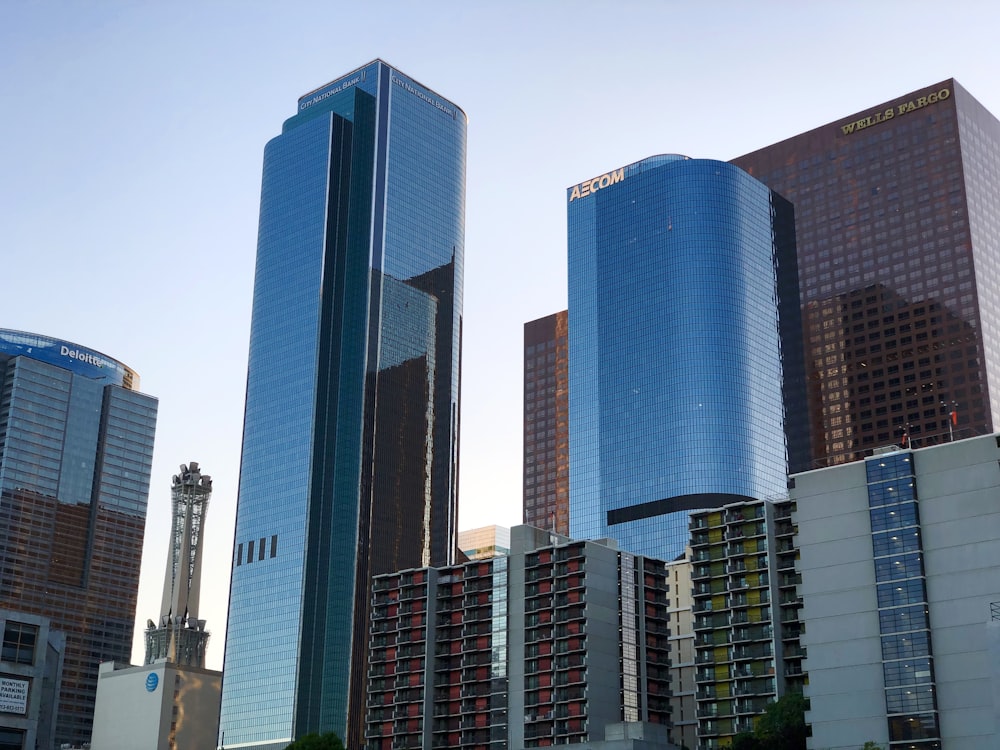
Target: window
(11,739)
(19,642)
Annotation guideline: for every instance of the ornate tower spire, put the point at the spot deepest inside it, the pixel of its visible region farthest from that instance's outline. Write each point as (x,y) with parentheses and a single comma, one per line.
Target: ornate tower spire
(180,636)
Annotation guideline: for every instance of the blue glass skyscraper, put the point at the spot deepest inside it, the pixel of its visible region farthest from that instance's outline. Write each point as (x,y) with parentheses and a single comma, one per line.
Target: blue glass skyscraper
(76,450)
(678,270)
(350,440)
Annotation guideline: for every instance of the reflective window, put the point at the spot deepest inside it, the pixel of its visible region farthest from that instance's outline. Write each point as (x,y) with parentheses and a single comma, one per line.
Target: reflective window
(350,434)
(675,349)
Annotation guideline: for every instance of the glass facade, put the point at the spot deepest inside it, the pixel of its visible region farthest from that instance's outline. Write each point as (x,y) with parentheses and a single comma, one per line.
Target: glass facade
(351,430)
(676,397)
(898,240)
(76,448)
(903,610)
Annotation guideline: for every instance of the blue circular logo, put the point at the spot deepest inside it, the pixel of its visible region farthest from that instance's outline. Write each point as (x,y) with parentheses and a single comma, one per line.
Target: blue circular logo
(152,680)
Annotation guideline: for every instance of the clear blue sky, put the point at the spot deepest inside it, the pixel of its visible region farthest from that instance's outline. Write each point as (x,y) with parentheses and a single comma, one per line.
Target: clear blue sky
(130,157)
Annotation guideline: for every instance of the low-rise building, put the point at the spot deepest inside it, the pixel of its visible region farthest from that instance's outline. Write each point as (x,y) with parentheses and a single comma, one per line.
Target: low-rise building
(549,645)
(158,706)
(31,664)
(746,615)
(899,560)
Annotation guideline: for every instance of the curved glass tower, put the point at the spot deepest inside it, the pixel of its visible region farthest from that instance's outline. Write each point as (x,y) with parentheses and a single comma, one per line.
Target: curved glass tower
(350,444)
(677,270)
(76,451)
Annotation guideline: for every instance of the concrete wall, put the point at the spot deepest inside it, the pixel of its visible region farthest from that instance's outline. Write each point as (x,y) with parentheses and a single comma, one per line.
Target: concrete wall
(959,496)
(682,683)
(844,656)
(128,715)
(604,705)
(958,490)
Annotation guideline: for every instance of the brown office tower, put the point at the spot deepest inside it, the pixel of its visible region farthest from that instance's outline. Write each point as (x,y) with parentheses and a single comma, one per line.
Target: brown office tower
(546,424)
(897,212)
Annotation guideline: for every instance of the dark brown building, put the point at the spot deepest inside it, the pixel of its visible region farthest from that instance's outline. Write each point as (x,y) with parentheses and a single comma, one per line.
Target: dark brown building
(897,212)
(546,424)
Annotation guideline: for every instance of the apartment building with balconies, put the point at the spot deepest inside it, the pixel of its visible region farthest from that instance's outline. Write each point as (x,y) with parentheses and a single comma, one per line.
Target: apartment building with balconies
(549,645)
(746,615)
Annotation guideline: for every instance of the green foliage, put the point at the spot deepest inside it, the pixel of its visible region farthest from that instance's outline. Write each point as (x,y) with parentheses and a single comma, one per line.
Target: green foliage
(782,726)
(745,741)
(872,745)
(328,741)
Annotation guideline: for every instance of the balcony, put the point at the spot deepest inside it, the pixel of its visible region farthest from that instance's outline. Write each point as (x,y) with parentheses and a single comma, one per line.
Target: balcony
(755,687)
(786,563)
(707,729)
(572,677)
(756,651)
(701,572)
(571,661)
(536,732)
(735,516)
(659,629)
(475,691)
(789,579)
(794,651)
(792,632)
(704,657)
(784,528)
(568,646)
(762,668)
(708,555)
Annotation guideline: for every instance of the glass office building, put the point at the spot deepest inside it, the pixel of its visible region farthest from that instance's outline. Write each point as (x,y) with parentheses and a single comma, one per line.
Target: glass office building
(897,213)
(350,442)
(677,271)
(76,447)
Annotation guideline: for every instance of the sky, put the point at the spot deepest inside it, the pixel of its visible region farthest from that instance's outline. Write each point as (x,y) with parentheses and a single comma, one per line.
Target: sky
(130,160)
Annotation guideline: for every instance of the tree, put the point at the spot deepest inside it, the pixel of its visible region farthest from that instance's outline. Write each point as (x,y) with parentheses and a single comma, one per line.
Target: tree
(782,726)
(328,741)
(872,745)
(745,741)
